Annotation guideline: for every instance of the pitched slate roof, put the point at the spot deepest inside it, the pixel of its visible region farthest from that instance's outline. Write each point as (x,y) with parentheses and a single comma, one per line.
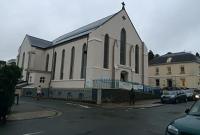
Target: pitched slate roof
(179,57)
(40,43)
(82,31)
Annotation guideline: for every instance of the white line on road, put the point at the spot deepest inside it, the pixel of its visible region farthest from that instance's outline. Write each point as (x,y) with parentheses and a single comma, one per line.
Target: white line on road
(83,106)
(34,133)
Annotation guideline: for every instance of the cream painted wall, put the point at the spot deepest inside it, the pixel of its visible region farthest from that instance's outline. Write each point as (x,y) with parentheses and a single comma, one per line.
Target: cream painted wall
(192,75)
(113,28)
(24,48)
(68,84)
(35,81)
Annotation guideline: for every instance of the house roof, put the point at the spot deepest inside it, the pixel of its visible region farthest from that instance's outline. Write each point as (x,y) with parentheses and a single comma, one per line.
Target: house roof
(40,43)
(180,57)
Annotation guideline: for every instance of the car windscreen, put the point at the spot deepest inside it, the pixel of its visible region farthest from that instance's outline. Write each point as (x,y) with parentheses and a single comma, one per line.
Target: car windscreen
(169,92)
(195,110)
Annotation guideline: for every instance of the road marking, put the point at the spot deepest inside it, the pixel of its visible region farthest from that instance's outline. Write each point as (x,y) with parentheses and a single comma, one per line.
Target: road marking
(34,133)
(69,104)
(83,106)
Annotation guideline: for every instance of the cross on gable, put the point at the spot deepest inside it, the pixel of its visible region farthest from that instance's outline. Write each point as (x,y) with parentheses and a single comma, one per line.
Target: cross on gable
(123,5)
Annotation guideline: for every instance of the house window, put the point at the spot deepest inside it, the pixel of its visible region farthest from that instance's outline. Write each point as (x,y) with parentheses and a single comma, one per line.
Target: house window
(182,70)
(42,79)
(23,58)
(123,47)
(137,59)
(169,70)
(72,63)
(157,82)
(54,66)
(47,62)
(183,82)
(62,64)
(106,51)
(84,61)
(157,71)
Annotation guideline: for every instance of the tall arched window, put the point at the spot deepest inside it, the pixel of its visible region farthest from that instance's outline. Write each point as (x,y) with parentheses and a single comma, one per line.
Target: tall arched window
(137,59)
(62,64)
(54,66)
(84,61)
(47,62)
(23,58)
(106,51)
(72,63)
(130,56)
(123,47)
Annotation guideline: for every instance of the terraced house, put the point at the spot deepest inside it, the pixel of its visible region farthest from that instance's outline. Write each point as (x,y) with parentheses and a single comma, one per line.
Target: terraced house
(103,54)
(180,69)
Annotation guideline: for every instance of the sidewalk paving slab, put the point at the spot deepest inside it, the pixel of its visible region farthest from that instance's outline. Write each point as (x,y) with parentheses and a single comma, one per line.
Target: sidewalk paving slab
(25,111)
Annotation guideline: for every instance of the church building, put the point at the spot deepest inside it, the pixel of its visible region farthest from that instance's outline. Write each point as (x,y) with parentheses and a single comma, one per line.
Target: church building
(105,54)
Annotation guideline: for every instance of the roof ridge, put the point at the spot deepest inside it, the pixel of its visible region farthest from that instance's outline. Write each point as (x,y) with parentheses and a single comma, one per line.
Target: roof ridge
(37,38)
(88,27)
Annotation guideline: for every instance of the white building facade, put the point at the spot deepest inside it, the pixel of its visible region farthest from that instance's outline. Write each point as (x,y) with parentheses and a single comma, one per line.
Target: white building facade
(108,50)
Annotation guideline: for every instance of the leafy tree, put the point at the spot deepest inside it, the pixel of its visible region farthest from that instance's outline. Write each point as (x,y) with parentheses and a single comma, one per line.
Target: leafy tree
(150,55)
(9,76)
(157,55)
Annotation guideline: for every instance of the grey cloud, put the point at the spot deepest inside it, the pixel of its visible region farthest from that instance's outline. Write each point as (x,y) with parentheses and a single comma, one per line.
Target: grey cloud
(163,25)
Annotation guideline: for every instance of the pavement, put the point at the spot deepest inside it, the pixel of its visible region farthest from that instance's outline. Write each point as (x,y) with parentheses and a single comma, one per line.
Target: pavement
(25,111)
(138,104)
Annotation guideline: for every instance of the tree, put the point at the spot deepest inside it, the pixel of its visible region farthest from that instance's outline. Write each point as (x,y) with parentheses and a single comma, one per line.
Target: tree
(197,54)
(150,55)
(157,55)
(9,76)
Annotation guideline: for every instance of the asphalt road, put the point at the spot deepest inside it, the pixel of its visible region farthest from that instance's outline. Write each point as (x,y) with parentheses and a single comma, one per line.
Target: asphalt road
(81,120)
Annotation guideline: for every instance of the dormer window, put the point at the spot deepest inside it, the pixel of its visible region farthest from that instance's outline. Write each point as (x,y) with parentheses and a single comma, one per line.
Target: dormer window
(169,60)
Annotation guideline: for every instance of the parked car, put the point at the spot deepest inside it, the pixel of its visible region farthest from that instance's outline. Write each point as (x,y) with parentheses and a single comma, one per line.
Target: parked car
(196,95)
(187,125)
(190,94)
(173,97)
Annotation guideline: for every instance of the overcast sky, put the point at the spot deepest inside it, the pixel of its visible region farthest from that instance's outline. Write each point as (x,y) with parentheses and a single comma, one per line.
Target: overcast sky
(164,25)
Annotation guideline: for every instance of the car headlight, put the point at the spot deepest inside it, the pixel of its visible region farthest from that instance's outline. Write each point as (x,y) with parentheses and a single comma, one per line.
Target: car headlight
(172,129)
(196,96)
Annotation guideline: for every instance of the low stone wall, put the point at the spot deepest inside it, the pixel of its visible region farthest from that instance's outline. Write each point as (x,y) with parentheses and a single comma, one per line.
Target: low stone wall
(120,95)
(88,95)
(62,93)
